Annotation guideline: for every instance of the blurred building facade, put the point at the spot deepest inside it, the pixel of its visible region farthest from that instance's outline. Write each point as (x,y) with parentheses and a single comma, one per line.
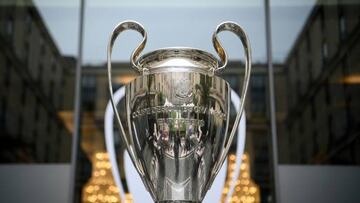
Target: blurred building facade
(322,124)
(35,85)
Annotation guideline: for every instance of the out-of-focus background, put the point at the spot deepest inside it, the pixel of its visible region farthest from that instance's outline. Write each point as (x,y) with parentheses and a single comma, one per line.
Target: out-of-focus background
(305,149)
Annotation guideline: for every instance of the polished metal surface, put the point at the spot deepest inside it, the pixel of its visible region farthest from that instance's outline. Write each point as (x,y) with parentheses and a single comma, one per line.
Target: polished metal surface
(177,113)
(182,119)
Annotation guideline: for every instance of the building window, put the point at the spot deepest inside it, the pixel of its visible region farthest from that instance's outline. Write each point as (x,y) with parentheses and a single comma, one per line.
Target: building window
(89,92)
(21,124)
(9,27)
(40,73)
(342,26)
(51,91)
(302,152)
(301,125)
(291,139)
(308,43)
(310,71)
(3,114)
(34,136)
(7,74)
(48,126)
(63,82)
(258,94)
(296,55)
(315,143)
(37,110)
(313,110)
(324,46)
(57,154)
(23,93)
(53,67)
(332,140)
(298,89)
(61,101)
(47,152)
(26,52)
(327,92)
(28,22)
(42,47)
(322,20)
(324,51)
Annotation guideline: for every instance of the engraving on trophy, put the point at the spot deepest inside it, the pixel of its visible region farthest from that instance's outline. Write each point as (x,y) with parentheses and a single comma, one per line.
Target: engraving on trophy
(182,109)
(183,89)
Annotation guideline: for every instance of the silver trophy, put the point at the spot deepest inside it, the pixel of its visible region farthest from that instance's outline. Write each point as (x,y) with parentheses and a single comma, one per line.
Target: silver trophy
(177,115)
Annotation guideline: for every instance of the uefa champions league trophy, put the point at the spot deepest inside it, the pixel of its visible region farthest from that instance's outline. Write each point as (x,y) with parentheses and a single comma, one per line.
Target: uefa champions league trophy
(177,113)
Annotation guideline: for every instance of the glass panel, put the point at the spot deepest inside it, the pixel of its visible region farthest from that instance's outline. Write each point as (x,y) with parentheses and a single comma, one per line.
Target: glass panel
(318,88)
(36,81)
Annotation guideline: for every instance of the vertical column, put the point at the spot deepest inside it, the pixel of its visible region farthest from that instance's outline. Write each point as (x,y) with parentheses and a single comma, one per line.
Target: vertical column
(77,107)
(274,146)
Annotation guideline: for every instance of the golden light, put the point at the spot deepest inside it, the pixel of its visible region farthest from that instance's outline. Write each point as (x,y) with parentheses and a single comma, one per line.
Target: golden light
(229,175)
(123,79)
(101,186)
(245,191)
(128,198)
(352,79)
(68,119)
(88,122)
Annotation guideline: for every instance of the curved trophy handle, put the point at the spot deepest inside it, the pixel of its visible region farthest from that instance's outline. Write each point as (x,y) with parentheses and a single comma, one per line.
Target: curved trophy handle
(126,25)
(236,29)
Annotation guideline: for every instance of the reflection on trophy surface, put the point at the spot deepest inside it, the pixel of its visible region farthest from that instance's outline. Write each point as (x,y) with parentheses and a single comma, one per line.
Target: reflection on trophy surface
(177,113)
(174,133)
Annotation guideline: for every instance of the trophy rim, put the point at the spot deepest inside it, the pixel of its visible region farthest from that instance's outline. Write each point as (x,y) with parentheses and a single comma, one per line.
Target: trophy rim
(178,59)
(175,70)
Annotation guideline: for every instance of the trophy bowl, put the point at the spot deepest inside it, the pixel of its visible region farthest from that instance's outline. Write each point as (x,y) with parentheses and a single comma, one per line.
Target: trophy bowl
(177,113)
